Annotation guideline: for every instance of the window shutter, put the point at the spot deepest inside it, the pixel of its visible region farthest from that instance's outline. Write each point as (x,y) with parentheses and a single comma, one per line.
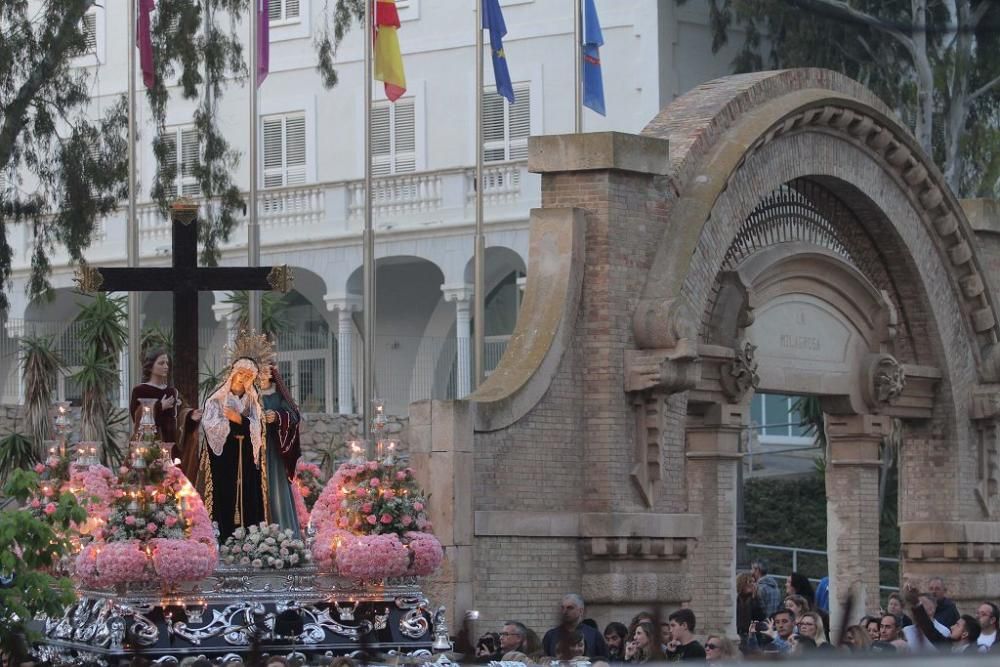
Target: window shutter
(493,127)
(295,150)
(519,125)
(273,11)
(291,9)
(273,167)
(381,140)
(405,136)
(170,157)
(188,159)
(90,32)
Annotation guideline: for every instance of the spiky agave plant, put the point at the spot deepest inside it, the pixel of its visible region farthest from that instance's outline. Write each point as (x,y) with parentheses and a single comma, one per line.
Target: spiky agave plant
(41,364)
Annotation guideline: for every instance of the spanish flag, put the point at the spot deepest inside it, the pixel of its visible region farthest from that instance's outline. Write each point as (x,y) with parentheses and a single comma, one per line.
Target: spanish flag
(388,60)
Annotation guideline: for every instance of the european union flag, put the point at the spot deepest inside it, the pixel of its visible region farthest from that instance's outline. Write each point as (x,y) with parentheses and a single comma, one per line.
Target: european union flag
(593,83)
(493,21)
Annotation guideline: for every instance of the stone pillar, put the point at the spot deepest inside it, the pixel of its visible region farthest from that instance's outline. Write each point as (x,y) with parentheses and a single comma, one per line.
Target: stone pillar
(713,459)
(226,312)
(852,476)
(441,438)
(345,307)
(461,295)
(16,331)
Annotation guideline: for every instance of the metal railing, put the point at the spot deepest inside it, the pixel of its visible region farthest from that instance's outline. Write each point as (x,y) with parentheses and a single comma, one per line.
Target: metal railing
(795,551)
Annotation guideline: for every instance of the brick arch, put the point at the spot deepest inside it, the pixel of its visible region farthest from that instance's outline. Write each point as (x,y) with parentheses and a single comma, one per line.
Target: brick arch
(722,131)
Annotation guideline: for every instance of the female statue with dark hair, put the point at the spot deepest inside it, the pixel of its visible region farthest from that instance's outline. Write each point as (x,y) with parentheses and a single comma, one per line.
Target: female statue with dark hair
(176,424)
(282,449)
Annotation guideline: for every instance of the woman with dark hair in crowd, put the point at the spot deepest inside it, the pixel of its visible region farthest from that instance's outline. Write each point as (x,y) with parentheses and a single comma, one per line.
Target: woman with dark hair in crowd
(799,584)
(748,606)
(615,635)
(871,626)
(857,639)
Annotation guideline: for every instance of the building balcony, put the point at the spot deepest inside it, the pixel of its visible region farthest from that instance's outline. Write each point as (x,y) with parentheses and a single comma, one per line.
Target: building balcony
(330,212)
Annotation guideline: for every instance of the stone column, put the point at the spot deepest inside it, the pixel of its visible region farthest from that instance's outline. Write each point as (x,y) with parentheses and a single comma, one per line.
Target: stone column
(461,295)
(713,459)
(852,476)
(345,307)
(226,312)
(16,331)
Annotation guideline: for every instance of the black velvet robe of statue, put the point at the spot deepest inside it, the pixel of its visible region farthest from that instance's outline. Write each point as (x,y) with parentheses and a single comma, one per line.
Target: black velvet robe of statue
(233,489)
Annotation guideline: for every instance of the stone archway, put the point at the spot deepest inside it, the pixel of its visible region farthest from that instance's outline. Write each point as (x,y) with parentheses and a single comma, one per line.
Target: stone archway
(601,456)
(895,284)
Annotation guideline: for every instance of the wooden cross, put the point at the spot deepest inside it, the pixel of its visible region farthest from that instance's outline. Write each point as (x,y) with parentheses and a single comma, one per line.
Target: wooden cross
(185,279)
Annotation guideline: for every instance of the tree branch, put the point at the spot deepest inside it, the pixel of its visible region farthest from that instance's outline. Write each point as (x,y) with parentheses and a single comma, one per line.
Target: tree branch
(15,112)
(840,10)
(981,91)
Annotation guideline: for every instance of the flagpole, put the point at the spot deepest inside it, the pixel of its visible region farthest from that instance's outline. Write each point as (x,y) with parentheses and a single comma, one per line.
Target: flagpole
(132,229)
(577,69)
(479,309)
(253,227)
(368,379)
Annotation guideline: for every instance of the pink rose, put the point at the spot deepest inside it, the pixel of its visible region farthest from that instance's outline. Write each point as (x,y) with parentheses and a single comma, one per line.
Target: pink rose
(170,521)
(123,470)
(407,520)
(371,519)
(50,509)
(305,491)
(373,465)
(36,503)
(367,508)
(389,494)
(130,520)
(387,519)
(151,527)
(375,481)
(40,468)
(161,498)
(419,506)
(401,475)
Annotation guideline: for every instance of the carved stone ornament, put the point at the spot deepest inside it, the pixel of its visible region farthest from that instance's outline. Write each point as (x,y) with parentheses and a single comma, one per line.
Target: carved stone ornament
(673,370)
(281,279)
(740,375)
(886,381)
(88,279)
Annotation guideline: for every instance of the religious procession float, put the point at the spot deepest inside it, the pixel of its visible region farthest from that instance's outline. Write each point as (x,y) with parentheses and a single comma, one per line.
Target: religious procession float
(334,569)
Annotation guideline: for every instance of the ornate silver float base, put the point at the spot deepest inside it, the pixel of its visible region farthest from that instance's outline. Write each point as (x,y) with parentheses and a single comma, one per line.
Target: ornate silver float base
(241,612)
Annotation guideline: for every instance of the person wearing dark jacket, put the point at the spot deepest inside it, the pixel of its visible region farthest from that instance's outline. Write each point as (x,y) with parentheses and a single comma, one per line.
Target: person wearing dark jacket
(748,606)
(963,633)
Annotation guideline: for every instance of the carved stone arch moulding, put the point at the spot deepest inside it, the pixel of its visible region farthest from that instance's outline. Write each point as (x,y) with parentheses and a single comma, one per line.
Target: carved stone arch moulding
(766,108)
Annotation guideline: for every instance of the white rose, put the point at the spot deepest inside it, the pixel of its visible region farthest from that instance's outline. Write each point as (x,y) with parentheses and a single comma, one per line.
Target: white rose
(293,559)
(279,564)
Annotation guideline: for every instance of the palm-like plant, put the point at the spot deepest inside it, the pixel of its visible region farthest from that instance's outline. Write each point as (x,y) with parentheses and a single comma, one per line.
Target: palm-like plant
(210,379)
(102,328)
(273,311)
(17,452)
(40,367)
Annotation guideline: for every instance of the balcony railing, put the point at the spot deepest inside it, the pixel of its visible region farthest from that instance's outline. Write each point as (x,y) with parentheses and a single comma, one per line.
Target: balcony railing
(313,212)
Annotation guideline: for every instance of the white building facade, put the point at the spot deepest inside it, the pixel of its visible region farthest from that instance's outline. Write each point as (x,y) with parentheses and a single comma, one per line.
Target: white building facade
(311,194)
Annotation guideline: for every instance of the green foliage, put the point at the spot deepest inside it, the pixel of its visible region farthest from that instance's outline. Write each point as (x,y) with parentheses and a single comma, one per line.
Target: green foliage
(332,30)
(29,547)
(64,168)
(935,63)
(40,367)
(810,414)
(273,311)
(17,452)
(104,334)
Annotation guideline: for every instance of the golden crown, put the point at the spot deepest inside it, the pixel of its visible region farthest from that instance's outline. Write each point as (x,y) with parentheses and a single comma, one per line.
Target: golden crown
(252,345)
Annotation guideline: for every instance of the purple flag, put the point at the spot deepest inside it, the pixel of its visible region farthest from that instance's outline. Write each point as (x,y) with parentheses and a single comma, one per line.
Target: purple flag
(145,42)
(263,40)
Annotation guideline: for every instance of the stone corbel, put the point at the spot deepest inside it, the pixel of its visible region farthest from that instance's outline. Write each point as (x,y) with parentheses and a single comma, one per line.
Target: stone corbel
(986,417)
(883,382)
(740,375)
(651,375)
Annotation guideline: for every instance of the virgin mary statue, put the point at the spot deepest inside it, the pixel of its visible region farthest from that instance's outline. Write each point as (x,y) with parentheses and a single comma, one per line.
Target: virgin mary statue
(232,470)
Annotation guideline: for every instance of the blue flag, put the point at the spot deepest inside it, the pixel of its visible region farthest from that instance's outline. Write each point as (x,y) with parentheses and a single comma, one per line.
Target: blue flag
(493,21)
(593,84)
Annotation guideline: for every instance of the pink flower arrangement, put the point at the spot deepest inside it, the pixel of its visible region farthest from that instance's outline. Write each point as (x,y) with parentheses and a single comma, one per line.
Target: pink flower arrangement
(372,557)
(363,521)
(183,560)
(427,553)
(309,482)
(122,562)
